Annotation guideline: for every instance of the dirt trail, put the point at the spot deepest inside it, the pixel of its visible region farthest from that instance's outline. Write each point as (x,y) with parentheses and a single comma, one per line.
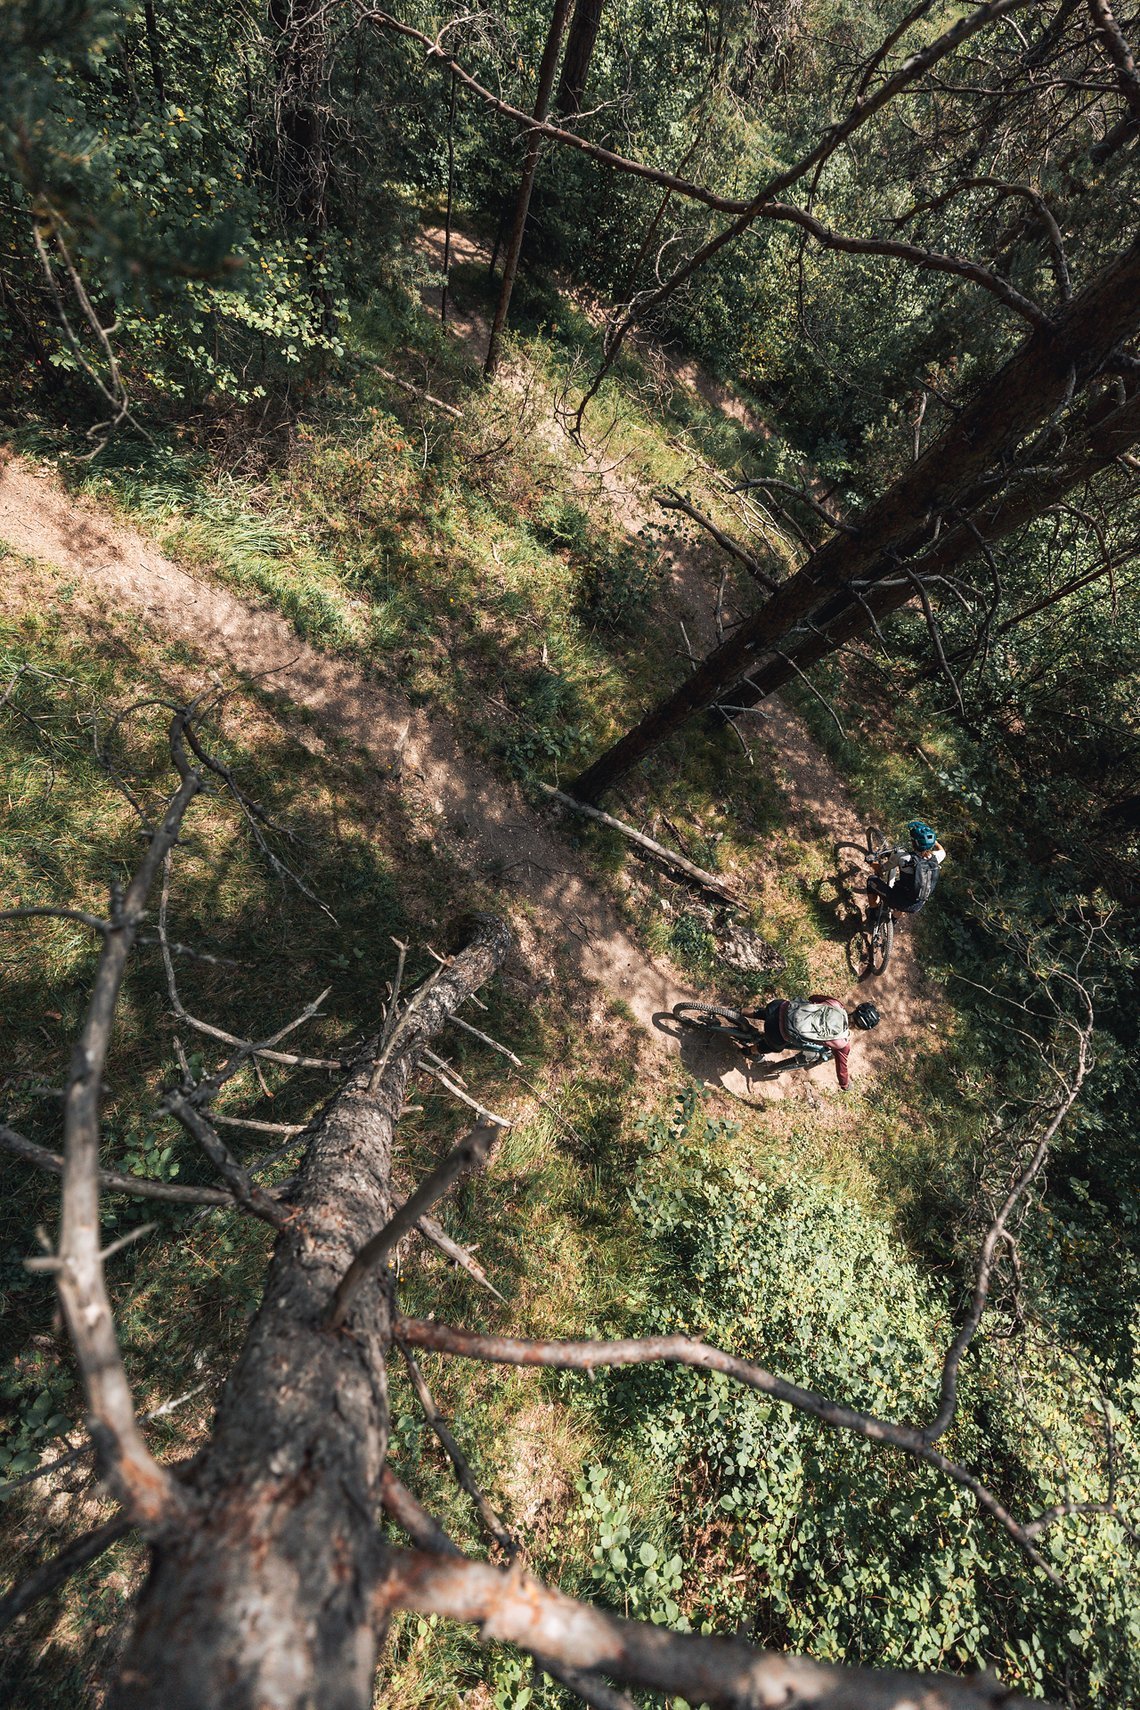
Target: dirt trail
(39,519)
(118,567)
(814,792)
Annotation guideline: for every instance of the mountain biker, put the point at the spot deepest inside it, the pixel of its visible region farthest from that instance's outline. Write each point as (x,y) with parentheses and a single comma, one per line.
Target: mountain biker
(912,873)
(814,1026)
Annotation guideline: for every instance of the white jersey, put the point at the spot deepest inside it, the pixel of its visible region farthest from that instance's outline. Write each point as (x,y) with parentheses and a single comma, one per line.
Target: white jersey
(901,860)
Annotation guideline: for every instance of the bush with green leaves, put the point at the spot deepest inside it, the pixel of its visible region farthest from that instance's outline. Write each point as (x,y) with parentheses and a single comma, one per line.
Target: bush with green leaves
(820,1542)
(614,582)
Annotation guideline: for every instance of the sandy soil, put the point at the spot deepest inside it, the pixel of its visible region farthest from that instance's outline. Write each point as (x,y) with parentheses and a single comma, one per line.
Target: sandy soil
(121,569)
(117,569)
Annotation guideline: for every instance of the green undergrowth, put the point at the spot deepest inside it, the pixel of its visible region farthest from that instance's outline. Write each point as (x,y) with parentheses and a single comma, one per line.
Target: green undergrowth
(553,1217)
(613,1207)
(459,559)
(673,1496)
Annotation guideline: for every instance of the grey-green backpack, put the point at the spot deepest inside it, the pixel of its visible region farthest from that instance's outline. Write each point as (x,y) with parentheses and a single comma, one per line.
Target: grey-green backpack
(815,1025)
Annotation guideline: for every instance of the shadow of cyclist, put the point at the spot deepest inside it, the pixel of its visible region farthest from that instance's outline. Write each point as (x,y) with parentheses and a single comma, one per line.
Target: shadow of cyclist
(717,1061)
(840,899)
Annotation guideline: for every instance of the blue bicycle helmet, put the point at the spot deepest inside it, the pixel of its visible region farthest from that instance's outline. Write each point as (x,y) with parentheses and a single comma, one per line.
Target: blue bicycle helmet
(921,836)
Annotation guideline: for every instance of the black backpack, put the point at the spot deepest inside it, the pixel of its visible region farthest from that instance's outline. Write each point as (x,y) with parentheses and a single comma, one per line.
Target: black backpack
(924,877)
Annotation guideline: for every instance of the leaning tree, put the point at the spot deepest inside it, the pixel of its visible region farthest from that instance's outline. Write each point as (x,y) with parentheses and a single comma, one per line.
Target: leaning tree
(994,157)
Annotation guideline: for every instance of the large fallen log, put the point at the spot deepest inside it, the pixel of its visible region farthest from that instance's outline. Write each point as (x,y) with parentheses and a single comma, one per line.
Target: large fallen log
(669,857)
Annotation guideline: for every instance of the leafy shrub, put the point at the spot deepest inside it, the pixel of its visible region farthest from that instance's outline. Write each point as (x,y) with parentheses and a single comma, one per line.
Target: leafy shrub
(549,723)
(822,1543)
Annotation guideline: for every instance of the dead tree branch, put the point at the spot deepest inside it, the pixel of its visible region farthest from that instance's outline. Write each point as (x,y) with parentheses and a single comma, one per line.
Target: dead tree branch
(684,1351)
(1119,52)
(246,1192)
(671,500)
(513,1608)
(470,1154)
(697,875)
(494,1527)
(146,1491)
(50,1575)
(114,1181)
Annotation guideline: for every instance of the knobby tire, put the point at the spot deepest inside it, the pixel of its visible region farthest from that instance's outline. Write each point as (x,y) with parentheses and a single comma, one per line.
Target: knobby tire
(716,1019)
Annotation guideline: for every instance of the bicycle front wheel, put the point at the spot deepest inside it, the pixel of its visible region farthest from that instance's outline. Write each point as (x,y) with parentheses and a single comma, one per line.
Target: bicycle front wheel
(716,1018)
(882,941)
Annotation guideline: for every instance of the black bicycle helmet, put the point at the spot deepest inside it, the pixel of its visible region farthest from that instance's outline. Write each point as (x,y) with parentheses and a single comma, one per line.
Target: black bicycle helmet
(866,1016)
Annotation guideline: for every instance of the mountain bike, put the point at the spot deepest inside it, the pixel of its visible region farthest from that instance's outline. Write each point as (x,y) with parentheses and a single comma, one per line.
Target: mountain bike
(880,926)
(741,1029)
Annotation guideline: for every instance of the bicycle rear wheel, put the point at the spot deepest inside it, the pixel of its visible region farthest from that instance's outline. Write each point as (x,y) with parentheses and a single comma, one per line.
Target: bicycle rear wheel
(718,1019)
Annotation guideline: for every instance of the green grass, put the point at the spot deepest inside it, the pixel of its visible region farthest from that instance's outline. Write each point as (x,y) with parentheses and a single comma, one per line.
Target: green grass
(551,1215)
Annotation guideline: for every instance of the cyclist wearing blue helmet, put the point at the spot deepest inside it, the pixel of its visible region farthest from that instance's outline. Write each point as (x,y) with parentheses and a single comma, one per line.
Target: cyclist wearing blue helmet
(911,874)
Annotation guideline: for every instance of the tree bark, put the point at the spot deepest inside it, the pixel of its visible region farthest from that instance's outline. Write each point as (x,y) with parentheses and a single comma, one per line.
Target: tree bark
(844,618)
(546,72)
(264,1596)
(299,166)
(154,49)
(580,44)
(1052,365)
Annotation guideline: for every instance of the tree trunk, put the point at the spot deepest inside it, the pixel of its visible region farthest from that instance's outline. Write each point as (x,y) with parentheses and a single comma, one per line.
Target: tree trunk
(530,163)
(154,49)
(265,1598)
(579,52)
(300,167)
(844,617)
(1054,363)
(450,201)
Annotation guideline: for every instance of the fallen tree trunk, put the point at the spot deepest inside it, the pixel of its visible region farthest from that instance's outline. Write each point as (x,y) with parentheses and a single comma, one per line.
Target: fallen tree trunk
(689,869)
(262,1594)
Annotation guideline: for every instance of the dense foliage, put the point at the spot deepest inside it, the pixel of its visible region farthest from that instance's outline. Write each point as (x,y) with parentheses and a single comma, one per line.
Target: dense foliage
(821,1544)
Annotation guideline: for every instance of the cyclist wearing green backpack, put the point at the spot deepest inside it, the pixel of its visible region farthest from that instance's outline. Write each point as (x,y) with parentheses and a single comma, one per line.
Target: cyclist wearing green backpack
(815,1026)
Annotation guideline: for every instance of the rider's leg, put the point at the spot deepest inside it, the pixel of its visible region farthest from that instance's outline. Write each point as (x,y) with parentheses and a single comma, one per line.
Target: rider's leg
(880,892)
(773,1039)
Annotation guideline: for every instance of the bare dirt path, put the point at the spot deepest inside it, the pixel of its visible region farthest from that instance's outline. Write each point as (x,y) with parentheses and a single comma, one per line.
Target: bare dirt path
(119,567)
(814,792)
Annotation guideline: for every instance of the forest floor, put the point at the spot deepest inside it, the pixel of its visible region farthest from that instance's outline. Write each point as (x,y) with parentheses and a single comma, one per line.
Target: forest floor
(117,569)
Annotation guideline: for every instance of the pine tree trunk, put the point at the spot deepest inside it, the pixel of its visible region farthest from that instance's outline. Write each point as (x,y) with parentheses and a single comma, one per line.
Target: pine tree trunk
(266,1597)
(546,73)
(1052,365)
(580,45)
